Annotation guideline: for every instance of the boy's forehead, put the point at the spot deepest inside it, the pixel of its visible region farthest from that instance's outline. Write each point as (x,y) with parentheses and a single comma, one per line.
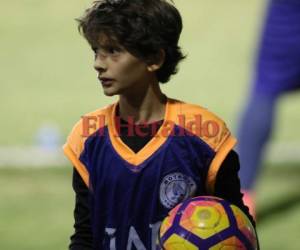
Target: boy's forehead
(104,40)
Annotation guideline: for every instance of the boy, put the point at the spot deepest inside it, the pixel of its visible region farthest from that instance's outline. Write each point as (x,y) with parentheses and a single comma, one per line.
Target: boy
(147,152)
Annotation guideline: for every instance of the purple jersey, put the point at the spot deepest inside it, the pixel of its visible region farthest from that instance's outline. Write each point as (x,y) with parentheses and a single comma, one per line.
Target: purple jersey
(278,62)
(133,192)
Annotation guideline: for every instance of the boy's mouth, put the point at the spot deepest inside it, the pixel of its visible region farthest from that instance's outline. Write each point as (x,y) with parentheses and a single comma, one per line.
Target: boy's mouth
(106,82)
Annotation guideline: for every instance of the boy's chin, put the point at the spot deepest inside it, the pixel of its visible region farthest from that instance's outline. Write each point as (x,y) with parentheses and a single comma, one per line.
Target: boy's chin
(109,92)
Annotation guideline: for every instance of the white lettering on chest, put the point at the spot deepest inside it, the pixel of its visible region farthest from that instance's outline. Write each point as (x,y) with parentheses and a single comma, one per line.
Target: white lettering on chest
(112,238)
(133,237)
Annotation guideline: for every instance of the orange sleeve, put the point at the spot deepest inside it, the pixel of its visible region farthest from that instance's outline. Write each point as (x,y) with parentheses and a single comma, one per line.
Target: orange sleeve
(221,153)
(74,146)
(73,149)
(217,136)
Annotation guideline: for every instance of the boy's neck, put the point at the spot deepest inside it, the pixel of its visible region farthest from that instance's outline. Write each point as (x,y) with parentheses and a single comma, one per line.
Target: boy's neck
(145,107)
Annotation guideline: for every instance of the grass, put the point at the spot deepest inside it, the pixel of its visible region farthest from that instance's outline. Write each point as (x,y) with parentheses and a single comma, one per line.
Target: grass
(279,207)
(37,204)
(36,209)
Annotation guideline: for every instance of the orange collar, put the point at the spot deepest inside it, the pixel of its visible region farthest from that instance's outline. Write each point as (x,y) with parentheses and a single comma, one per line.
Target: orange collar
(152,146)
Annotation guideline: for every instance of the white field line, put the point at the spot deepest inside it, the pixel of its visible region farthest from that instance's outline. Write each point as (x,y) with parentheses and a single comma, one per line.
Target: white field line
(31,157)
(15,156)
(288,152)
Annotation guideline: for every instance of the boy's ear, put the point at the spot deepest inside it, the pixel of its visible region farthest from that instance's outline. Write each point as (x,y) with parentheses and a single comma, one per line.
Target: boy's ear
(157,61)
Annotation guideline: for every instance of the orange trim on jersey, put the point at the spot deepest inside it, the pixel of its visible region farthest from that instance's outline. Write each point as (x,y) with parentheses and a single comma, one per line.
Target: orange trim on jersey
(216,163)
(151,147)
(76,139)
(202,123)
(77,164)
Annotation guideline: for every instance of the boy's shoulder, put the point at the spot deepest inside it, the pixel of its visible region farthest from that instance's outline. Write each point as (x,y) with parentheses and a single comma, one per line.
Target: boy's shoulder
(93,117)
(87,125)
(191,110)
(203,123)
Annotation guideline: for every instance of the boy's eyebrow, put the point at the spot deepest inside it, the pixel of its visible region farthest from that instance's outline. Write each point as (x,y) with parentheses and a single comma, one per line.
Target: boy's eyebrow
(106,46)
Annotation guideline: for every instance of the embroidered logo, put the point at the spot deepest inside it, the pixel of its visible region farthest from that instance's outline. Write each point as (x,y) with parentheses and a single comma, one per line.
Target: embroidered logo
(174,188)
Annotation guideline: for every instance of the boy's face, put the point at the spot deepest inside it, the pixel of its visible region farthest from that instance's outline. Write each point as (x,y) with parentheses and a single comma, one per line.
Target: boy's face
(119,72)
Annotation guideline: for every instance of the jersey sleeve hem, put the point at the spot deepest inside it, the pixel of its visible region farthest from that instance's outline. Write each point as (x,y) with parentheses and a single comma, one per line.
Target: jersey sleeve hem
(216,163)
(76,163)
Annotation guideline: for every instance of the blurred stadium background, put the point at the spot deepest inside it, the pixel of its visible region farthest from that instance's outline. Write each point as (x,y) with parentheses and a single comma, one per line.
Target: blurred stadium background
(47,83)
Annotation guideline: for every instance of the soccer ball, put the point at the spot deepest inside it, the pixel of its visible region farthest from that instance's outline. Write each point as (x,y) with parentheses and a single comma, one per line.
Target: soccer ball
(206,223)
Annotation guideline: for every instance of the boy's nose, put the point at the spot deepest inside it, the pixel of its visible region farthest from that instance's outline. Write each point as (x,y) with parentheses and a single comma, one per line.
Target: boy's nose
(99,63)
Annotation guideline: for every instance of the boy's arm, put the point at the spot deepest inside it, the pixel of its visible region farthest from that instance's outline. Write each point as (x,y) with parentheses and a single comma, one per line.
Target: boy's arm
(82,237)
(227,185)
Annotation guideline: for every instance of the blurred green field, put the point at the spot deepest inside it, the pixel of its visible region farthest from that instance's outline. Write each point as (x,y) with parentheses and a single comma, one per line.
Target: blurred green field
(36,208)
(47,75)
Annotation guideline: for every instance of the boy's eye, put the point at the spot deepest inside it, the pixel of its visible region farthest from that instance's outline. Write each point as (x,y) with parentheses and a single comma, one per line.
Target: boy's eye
(113,50)
(107,51)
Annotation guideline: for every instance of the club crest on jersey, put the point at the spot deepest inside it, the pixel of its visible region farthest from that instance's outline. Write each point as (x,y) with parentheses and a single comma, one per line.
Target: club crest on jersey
(174,188)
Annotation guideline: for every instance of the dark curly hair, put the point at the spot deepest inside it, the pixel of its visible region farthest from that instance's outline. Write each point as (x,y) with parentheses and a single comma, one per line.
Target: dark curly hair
(142,27)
